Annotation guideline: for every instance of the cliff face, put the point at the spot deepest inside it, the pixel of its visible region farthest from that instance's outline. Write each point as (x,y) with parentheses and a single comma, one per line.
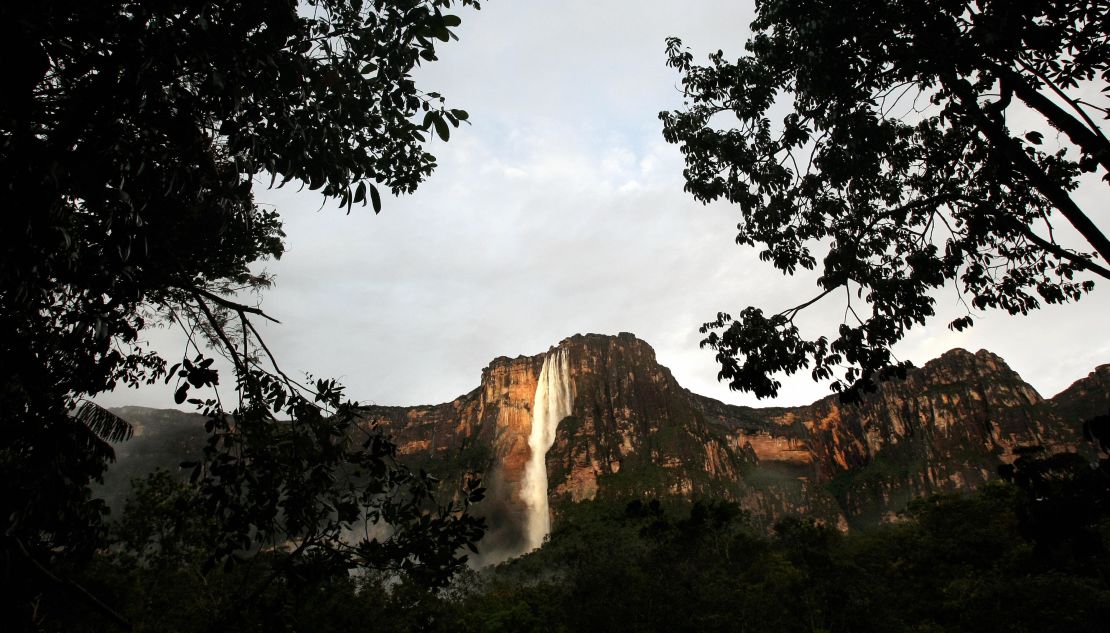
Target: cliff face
(948,426)
(634,430)
(1085,398)
(485,431)
(162,438)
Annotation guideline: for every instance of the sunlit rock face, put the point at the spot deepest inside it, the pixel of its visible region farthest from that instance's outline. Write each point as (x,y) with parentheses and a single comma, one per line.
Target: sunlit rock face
(633,430)
(597,417)
(484,432)
(946,427)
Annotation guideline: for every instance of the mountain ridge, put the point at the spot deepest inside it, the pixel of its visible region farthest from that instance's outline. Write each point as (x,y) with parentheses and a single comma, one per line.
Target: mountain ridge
(634,431)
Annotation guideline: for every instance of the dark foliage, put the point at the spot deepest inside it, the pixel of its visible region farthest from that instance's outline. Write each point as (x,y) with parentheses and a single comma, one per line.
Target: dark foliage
(131,137)
(903,162)
(1028,554)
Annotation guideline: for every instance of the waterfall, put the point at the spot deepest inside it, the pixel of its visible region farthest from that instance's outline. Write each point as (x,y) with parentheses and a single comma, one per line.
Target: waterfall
(554,398)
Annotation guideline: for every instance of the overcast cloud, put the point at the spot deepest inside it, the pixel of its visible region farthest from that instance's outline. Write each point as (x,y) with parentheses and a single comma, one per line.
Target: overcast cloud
(560,210)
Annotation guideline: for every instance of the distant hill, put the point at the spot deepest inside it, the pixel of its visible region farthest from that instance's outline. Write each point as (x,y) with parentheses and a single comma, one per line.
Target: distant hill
(163,438)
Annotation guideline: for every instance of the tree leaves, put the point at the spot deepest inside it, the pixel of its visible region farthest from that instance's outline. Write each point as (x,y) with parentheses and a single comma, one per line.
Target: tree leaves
(434,119)
(103,423)
(375,199)
(313,473)
(134,134)
(904,198)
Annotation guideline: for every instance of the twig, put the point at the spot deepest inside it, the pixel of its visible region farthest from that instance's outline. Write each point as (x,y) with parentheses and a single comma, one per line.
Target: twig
(273,361)
(239,364)
(231,305)
(798,308)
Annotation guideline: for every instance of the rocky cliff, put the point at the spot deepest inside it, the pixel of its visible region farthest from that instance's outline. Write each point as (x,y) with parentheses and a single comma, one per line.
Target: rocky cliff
(634,430)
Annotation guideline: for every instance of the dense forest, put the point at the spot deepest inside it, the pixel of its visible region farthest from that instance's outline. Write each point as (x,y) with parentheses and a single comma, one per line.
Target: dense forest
(1028,554)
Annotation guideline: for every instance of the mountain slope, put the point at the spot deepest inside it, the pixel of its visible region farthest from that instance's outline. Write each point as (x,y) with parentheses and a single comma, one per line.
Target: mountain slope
(634,430)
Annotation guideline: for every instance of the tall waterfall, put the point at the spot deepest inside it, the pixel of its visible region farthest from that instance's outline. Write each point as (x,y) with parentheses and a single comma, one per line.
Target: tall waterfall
(554,398)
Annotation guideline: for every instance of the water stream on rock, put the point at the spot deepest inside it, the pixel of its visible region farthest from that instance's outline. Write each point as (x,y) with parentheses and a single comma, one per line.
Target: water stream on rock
(554,397)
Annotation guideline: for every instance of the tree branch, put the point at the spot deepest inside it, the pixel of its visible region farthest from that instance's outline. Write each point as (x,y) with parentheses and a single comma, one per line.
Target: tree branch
(1007,148)
(1089,141)
(240,365)
(798,308)
(273,361)
(1049,245)
(230,305)
(1074,103)
(1059,251)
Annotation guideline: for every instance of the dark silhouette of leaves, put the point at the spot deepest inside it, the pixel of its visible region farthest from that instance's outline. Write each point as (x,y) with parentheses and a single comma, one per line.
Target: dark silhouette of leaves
(896,167)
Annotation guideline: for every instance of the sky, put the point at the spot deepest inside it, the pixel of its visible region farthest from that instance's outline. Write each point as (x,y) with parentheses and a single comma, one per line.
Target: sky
(560,210)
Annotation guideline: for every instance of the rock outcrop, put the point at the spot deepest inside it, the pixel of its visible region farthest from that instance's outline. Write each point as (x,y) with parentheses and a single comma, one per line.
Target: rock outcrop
(635,431)
(1085,398)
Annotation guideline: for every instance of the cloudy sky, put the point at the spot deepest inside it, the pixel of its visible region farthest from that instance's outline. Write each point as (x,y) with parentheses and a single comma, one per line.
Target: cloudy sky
(560,210)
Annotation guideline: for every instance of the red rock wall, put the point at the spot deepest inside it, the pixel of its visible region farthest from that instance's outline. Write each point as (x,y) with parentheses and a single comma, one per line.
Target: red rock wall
(634,430)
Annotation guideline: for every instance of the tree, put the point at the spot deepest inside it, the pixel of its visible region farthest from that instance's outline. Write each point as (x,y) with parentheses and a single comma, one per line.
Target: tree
(131,139)
(927,144)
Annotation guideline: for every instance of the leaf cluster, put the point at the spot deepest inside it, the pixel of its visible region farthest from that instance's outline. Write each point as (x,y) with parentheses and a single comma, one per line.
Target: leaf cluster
(132,137)
(896,168)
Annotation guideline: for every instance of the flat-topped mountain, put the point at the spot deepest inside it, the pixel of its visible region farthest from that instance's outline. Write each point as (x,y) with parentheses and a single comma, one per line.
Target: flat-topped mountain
(597,417)
(632,430)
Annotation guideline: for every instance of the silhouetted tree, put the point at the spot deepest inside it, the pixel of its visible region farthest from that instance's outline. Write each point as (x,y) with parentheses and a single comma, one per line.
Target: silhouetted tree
(927,144)
(131,137)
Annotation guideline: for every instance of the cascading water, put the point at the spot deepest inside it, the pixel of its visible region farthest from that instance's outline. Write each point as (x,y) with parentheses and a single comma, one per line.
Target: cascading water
(554,398)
